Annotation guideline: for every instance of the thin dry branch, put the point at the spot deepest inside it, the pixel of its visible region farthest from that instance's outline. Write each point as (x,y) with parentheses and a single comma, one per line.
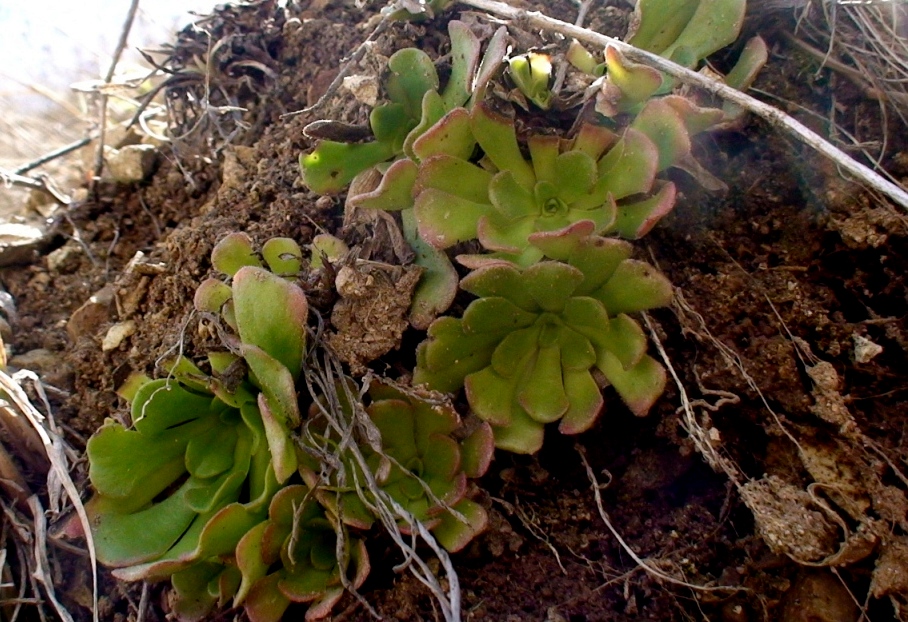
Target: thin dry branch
(775,117)
(58,477)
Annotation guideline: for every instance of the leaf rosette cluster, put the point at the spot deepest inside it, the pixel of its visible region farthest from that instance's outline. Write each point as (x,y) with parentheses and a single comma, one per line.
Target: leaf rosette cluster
(539,342)
(424,463)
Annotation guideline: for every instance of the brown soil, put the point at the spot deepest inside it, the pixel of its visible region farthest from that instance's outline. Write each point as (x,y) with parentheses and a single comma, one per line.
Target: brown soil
(792,505)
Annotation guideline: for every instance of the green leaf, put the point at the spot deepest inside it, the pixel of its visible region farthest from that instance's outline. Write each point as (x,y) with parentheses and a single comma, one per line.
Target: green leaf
(493,315)
(640,386)
(543,152)
(637,82)
(333,165)
(624,340)
(513,352)
(522,435)
(551,284)
(491,396)
(163,404)
(577,353)
(501,280)
(593,140)
(541,392)
(454,535)
(283,256)
(451,135)
(497,137)
(438,285)
(127,465)
(395,420)
(124,539)
(454,176)
(211,454)
(433,109)
(753,57)
(586,402)
(394,192)
(663,125)
(660,22)
(445,219)
(271,314)
(477,451)
(635,286)
(532,73)
(714,24)
(630,166)
(511,199)
(233,252)
(211,295)
(465,48)
(637,219)
(576,175)
(283,454)
(412,74)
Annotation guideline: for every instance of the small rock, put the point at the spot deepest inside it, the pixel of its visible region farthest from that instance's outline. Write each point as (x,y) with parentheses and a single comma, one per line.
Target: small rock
(131,164)
(18,243)
(116,334)
(65,259)
(864,349)
(38,360)
(91,316)
(363,88)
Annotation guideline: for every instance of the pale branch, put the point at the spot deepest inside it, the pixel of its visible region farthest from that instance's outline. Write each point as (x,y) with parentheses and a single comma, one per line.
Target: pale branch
(775,117)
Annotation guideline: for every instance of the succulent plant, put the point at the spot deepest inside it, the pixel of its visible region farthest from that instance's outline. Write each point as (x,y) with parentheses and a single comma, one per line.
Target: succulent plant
(268,314)
(424,121)
(505,199)
(293,558)
(423,463)
(187,482)
(686,31)
(416,104)
(532,73)
(207,452)
(539,342)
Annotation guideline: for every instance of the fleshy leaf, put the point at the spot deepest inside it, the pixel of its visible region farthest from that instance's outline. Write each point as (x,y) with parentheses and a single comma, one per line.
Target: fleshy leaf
(542,392)
(394,192)
(586,402)
(438,285)
(465,48)
(491,396)
(663,125)
(451,135)
(640,386)
(333,165)
(445,219)
(412,74)
(630,166)
(283,256)
(271,314)
(454,535)
(522,435)
(211,295)
(233,252)
(637,219)
(635,286)
(454,176)
(497,137)
(477,451)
